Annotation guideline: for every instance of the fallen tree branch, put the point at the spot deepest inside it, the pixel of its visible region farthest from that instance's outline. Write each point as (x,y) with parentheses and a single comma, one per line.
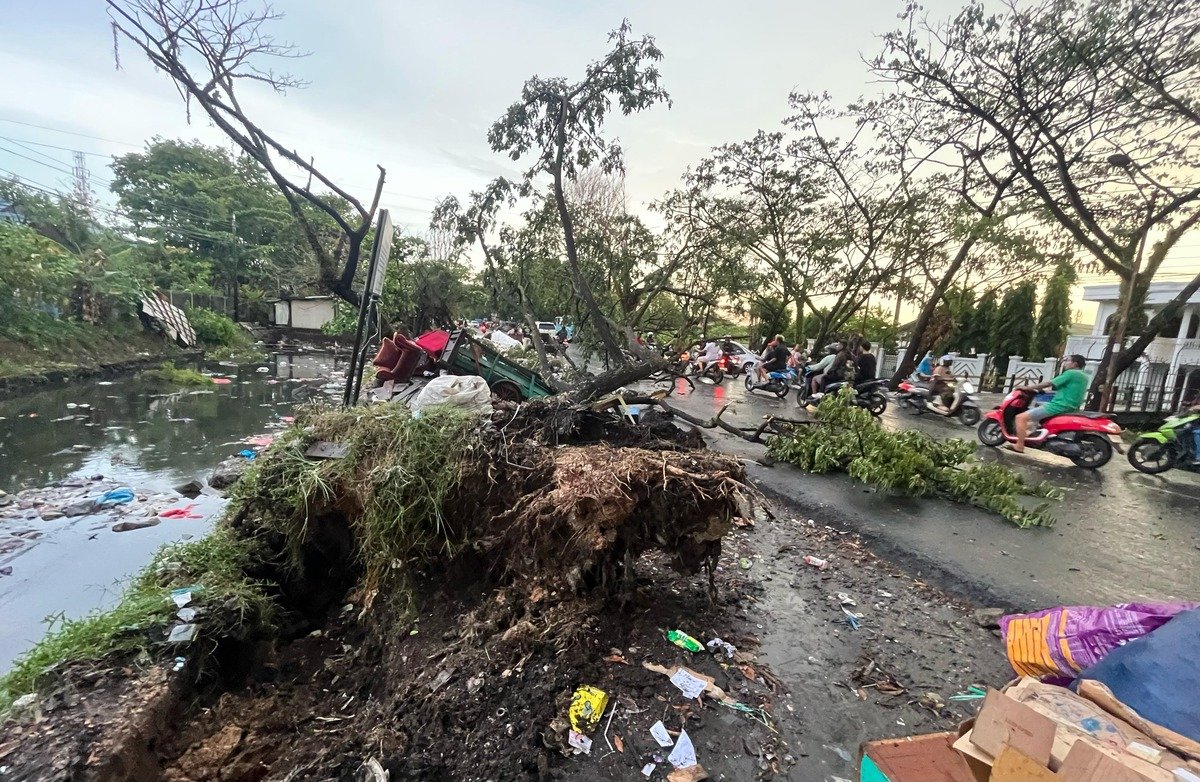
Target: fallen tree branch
(607,382)
(711,423)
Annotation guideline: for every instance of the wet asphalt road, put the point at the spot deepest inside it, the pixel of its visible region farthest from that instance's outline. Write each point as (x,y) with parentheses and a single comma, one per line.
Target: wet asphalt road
(1120,535)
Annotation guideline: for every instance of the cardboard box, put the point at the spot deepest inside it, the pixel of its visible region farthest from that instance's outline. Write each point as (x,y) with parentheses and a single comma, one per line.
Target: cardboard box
(1067,738)
(927,758)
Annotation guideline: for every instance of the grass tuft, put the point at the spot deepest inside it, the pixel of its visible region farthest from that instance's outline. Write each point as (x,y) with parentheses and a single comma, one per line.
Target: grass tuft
(169,374)
(391,486)
(231,605)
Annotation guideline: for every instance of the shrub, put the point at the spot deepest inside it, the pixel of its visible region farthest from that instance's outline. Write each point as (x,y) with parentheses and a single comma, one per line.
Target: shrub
(215,330)
(170,374)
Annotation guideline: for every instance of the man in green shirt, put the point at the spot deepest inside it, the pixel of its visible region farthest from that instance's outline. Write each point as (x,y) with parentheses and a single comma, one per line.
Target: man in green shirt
(1070,388)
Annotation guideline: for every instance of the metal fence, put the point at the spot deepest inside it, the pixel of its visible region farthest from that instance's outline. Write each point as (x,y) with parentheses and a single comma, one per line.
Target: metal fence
(216,302)
(252,310)
(1156,389)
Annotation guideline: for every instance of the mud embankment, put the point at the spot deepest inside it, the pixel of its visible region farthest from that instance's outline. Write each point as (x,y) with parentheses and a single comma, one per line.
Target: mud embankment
(435,597)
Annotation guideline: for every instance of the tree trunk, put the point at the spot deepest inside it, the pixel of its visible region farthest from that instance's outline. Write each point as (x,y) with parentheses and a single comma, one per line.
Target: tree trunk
(798,326)
(909,361)
(611,347)
(236,297)
(534,335)
(612,380)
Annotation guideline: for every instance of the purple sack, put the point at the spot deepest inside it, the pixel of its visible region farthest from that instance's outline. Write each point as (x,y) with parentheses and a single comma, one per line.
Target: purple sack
(1062,641)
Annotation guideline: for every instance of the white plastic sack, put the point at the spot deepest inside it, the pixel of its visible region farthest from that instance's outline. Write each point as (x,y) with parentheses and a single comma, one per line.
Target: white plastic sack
(469,392)
(503,341)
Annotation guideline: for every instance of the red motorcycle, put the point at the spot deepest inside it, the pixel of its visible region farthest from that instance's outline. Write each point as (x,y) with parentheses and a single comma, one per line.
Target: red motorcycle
(1080,436)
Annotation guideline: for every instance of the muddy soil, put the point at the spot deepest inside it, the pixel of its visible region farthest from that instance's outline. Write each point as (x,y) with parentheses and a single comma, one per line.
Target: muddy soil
(469,689)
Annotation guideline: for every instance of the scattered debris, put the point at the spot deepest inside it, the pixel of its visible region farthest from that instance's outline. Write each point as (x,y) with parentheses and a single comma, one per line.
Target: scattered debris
(684,641)
(182,633)
(717,644)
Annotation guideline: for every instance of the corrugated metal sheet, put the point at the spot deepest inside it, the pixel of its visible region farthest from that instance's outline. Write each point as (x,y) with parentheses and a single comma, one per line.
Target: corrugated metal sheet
(170,318)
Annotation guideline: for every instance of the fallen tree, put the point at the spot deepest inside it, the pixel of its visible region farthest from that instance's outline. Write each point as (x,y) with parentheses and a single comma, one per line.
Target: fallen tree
(435,549)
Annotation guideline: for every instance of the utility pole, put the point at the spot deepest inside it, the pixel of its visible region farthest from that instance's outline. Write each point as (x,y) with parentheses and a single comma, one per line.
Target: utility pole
(236,264)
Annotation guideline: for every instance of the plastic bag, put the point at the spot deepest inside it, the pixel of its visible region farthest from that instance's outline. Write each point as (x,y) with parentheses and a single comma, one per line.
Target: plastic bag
(469,392)
(1156,675)
(1061,642)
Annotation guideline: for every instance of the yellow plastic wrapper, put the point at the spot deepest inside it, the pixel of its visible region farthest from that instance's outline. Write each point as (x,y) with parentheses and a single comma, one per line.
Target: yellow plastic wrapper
(587,704)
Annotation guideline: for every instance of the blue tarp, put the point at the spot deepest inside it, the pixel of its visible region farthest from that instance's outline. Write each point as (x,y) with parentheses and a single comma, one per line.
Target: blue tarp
(1157,675)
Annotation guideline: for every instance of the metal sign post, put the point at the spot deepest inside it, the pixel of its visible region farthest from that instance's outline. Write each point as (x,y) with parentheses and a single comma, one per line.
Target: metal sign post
(372,290)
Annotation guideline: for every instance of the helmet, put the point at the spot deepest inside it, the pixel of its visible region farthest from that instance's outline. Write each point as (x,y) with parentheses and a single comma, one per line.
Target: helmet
(947,359)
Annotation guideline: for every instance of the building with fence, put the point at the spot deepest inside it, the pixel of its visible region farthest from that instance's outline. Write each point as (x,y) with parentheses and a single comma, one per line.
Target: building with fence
(1168,373)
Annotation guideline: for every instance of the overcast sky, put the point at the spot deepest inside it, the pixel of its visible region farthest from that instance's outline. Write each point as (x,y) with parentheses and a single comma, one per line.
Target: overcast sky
(415,86)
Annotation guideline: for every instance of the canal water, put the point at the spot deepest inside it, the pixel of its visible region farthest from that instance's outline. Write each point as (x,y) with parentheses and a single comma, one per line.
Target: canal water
(56,441)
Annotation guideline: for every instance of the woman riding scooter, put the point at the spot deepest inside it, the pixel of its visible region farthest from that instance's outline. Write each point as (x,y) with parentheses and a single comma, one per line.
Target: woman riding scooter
(940,384)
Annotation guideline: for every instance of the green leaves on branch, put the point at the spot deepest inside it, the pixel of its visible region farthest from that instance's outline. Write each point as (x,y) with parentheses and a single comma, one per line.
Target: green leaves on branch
(848,439)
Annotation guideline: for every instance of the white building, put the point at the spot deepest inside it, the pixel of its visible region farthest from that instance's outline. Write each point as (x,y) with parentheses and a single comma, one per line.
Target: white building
(1169,371)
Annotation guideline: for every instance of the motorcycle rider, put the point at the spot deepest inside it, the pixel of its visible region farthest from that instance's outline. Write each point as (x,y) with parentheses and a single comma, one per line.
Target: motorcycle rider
(1195,408)
(1070,388)
(864,364)
(925,369)
(775,358)
(712,352)
(940,381)
(833,351)
(798,358)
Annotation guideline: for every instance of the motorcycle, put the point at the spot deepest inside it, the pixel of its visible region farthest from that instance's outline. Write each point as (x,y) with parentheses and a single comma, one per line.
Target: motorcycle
(778,382)
(1082,437)
(713,370)
(1172,445)
(869,396)
(963,405)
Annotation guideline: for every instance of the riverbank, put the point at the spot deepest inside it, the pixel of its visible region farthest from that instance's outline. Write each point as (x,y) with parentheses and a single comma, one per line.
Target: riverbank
(151,439)
(97,354)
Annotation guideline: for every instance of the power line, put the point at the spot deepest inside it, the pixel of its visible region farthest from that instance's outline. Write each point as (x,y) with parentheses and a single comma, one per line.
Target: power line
(175,205)
(24,141)
(198,233)
(70,133)
(392,193)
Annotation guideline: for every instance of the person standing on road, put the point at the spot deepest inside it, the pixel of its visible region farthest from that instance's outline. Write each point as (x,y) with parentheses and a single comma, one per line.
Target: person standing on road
(1070,387)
